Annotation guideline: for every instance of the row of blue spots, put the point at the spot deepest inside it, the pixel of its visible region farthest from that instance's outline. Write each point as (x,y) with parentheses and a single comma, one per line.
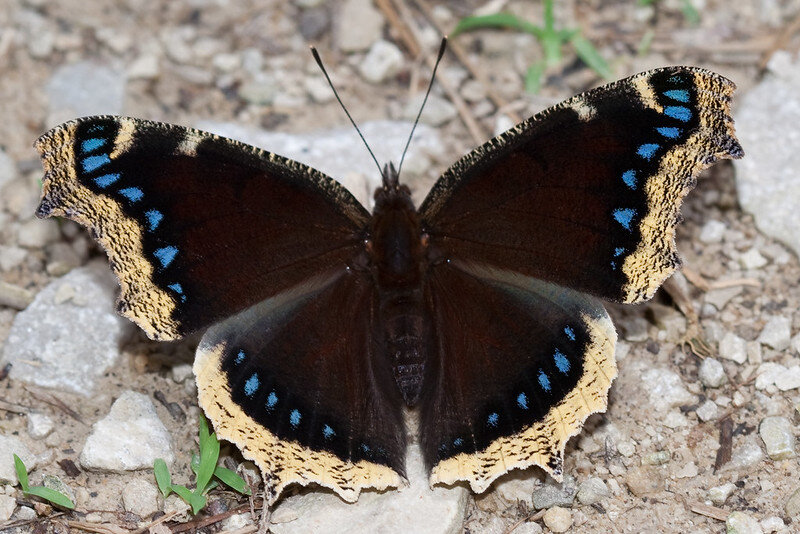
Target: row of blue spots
(92,163)
(92,144)
(624,216)
(165,255)
(154,218)
(629,177)
(522,401)
(177,288)
(106,180)
(669,132)
(544,381)
(134,194)
(679,95)
(493,418)
(570,333)
(681,113)
(648,150)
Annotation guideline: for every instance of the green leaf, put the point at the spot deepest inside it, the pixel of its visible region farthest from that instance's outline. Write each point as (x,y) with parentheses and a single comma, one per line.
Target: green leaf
(163,478)
(183,492)
(197,500)
(55,497)
(591,56)
(533,78)
(495,20)
(232,480)
(209,453)
(549,16)
(194,463)
(551,45)
(690,13)
(22,473)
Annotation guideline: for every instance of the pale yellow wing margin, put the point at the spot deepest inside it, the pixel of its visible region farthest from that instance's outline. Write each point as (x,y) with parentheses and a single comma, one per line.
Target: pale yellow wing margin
(656,256)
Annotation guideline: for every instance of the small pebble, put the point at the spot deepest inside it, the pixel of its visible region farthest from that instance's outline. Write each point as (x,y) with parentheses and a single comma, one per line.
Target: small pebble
(720,297)
(36,233)
(437,111)
(732,347)
(7,506)
(746,455)
(656,458)
(15,297)
(752,259)
(711,373)
(772,524)
(360,25)
(712,232)
(643,481)
(665,389)
(689,470)
(776,432)
(140,497)
(719,494)
(25,513)
(707,411)
(11,445)
(789,380)
(558,519)
(56,484)
(675,419)
(39,425)
(776,333)
(181,372)
(531,527)
(792,506)
(515,489)
(11,257)
(383,61)
(767,374)
(553,493)
(742,523)
(592,490)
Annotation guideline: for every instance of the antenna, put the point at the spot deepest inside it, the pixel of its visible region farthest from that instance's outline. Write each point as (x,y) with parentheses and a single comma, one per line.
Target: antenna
(442,48)
(336,94)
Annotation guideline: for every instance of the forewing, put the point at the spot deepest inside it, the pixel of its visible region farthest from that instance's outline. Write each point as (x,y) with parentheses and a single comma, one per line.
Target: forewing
(519,364)
(586,194)
(197,227)
(295,383)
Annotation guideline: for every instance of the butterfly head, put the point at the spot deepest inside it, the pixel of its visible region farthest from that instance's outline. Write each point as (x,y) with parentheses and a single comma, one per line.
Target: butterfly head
(392,192)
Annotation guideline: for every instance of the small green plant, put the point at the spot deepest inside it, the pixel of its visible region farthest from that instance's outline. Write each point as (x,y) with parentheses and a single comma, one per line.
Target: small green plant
(550,38)
(206,471)
(50,495)
(690,13)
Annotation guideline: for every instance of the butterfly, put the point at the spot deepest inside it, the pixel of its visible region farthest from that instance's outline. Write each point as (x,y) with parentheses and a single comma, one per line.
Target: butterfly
(482,309)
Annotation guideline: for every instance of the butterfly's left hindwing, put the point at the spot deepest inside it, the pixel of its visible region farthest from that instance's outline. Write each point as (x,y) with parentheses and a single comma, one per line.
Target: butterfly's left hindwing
(586,194)
(196,227)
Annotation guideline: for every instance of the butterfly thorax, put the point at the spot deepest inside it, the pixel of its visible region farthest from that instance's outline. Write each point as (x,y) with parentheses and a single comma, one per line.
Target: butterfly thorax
(396,249)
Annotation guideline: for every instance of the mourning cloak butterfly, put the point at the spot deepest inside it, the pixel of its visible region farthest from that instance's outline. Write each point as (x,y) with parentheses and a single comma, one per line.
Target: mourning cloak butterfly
(482,308)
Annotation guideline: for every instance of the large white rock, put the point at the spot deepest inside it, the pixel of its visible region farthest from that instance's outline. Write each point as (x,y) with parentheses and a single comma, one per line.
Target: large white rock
(130,437)
(69,335)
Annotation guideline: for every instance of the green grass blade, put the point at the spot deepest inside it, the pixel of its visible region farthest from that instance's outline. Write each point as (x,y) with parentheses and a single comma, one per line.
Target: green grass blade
(22,473)
(183,492)
(232,480)
(691,14)
(53,496)
(591,56)
(163,478)
(533,78)
(495,20)
(198,501)
(209,453)
(549,16)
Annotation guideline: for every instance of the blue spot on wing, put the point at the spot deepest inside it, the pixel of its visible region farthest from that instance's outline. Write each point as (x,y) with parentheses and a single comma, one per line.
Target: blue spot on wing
(522,401)
(177,288)
(458,442)
(251,385)
(561,362)
(94,128)
(294,418)
(619,251)
(92,144)
(570,332)
(679,95)
(629,177)
(544,381)
(648,150)
(492,419)
(671,133)
(92,163)
(624,216)
(272,400)
(328,432)
(154,217)
(240,357)
(134,194)
(165,255)
(106,180)
(681,113)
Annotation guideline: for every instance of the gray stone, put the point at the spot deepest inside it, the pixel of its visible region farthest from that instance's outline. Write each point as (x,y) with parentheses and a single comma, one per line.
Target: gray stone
(7,506)
(36,233)
(130,437)
(746,455)
(261,90)
(15,297)
(85,88)
(644,481)
(707,411)
(68,344)
(776,432)
(9,446)
(711,373)
(656,458)
(146,66)
(752,259)
(8,169)
(772,524)
(437,111)
(383,61)
(790,379)
(592,490)
(181,372)
(776,333)
(674,419)
(339,154)
(62,258)
(770,174)
(767,373)
(56,484)
(712,232)
(742,523)
(558,519)
(39,425)
(634,328)
(732,347)
(25,513)
(792,506)
(416,508)
(11,257)
(553,493)
(140,497)
(517,487)
(530,527)
(720,297)
(665,389)
(719,494)
(359,25)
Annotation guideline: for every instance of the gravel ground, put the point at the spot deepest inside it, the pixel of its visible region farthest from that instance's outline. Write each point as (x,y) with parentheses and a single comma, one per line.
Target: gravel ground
(648,464)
